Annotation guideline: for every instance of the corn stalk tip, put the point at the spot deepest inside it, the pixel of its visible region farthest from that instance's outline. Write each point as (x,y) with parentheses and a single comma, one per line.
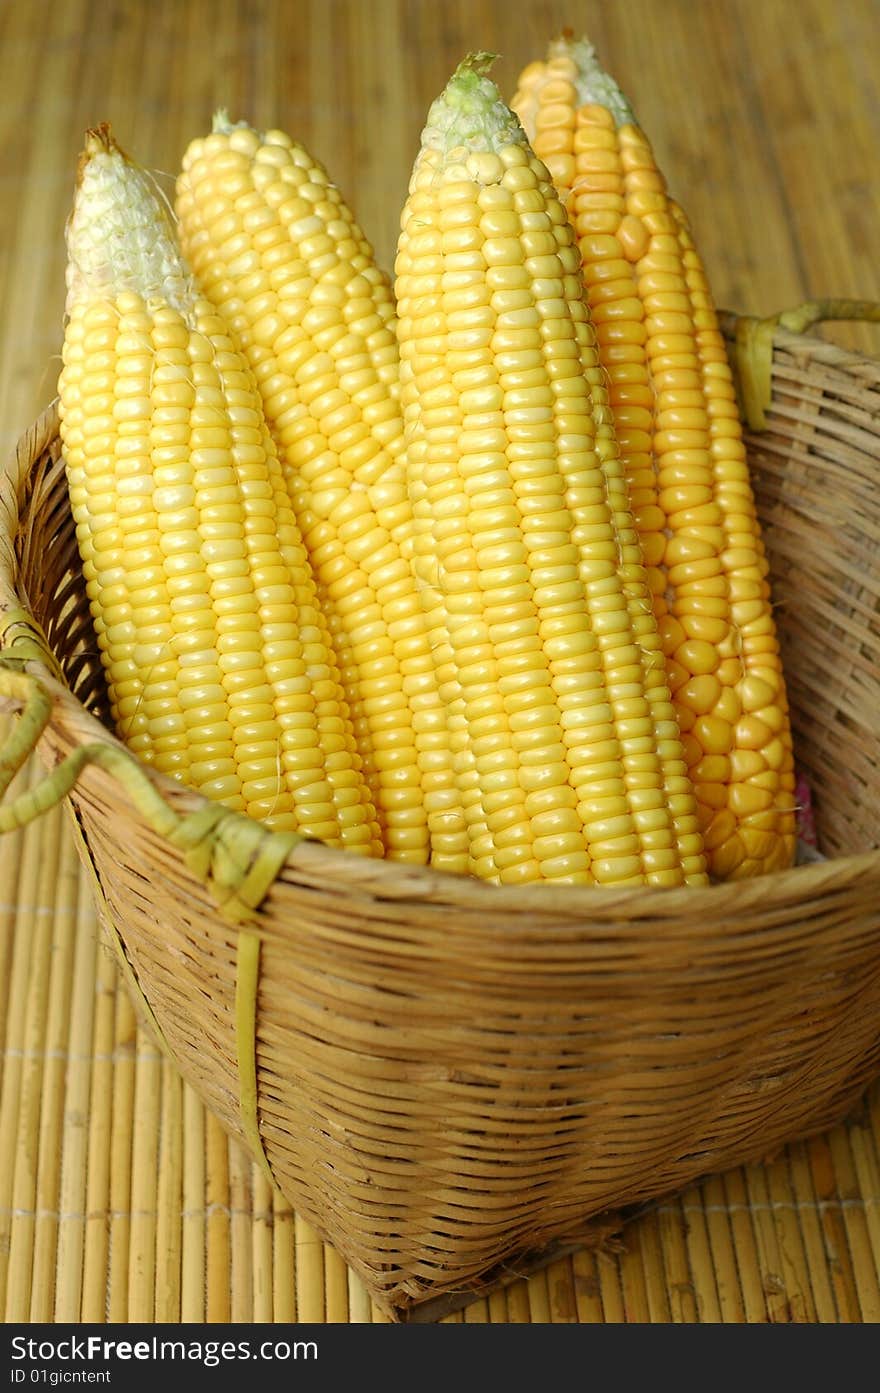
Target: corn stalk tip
(223,124)
(594,83)
(481,59)
(98,140)
(473,66)
(581,50)
(470,113)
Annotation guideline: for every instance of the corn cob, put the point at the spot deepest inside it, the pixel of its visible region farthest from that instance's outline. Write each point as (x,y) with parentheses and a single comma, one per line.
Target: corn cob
(217,657)
(681,442)
(279,253)
(524,545)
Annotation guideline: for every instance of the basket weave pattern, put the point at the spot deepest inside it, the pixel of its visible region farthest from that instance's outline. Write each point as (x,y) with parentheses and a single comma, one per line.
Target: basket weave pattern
(443,1075)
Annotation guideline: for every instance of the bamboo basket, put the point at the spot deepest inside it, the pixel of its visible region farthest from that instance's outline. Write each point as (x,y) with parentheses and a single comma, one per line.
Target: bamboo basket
(449,1080)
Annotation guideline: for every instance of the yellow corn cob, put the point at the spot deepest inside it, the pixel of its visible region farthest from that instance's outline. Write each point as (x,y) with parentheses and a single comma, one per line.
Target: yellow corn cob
(217,656)
(675,411)
(569,750)
(279,253)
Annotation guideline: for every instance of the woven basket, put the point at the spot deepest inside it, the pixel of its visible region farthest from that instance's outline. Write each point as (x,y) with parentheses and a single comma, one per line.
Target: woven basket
(442,1076)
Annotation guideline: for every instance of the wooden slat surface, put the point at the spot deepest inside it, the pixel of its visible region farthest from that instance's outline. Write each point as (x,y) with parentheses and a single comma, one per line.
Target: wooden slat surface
(119,1198)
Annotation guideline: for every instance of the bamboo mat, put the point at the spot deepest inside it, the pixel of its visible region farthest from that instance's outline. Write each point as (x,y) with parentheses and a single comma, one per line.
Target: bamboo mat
(120,1199)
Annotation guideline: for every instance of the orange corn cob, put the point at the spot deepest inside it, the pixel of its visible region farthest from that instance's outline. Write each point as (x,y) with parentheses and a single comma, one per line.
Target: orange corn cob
(672,395)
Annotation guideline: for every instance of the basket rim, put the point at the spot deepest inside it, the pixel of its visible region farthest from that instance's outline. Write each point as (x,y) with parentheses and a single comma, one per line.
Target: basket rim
(394,881)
